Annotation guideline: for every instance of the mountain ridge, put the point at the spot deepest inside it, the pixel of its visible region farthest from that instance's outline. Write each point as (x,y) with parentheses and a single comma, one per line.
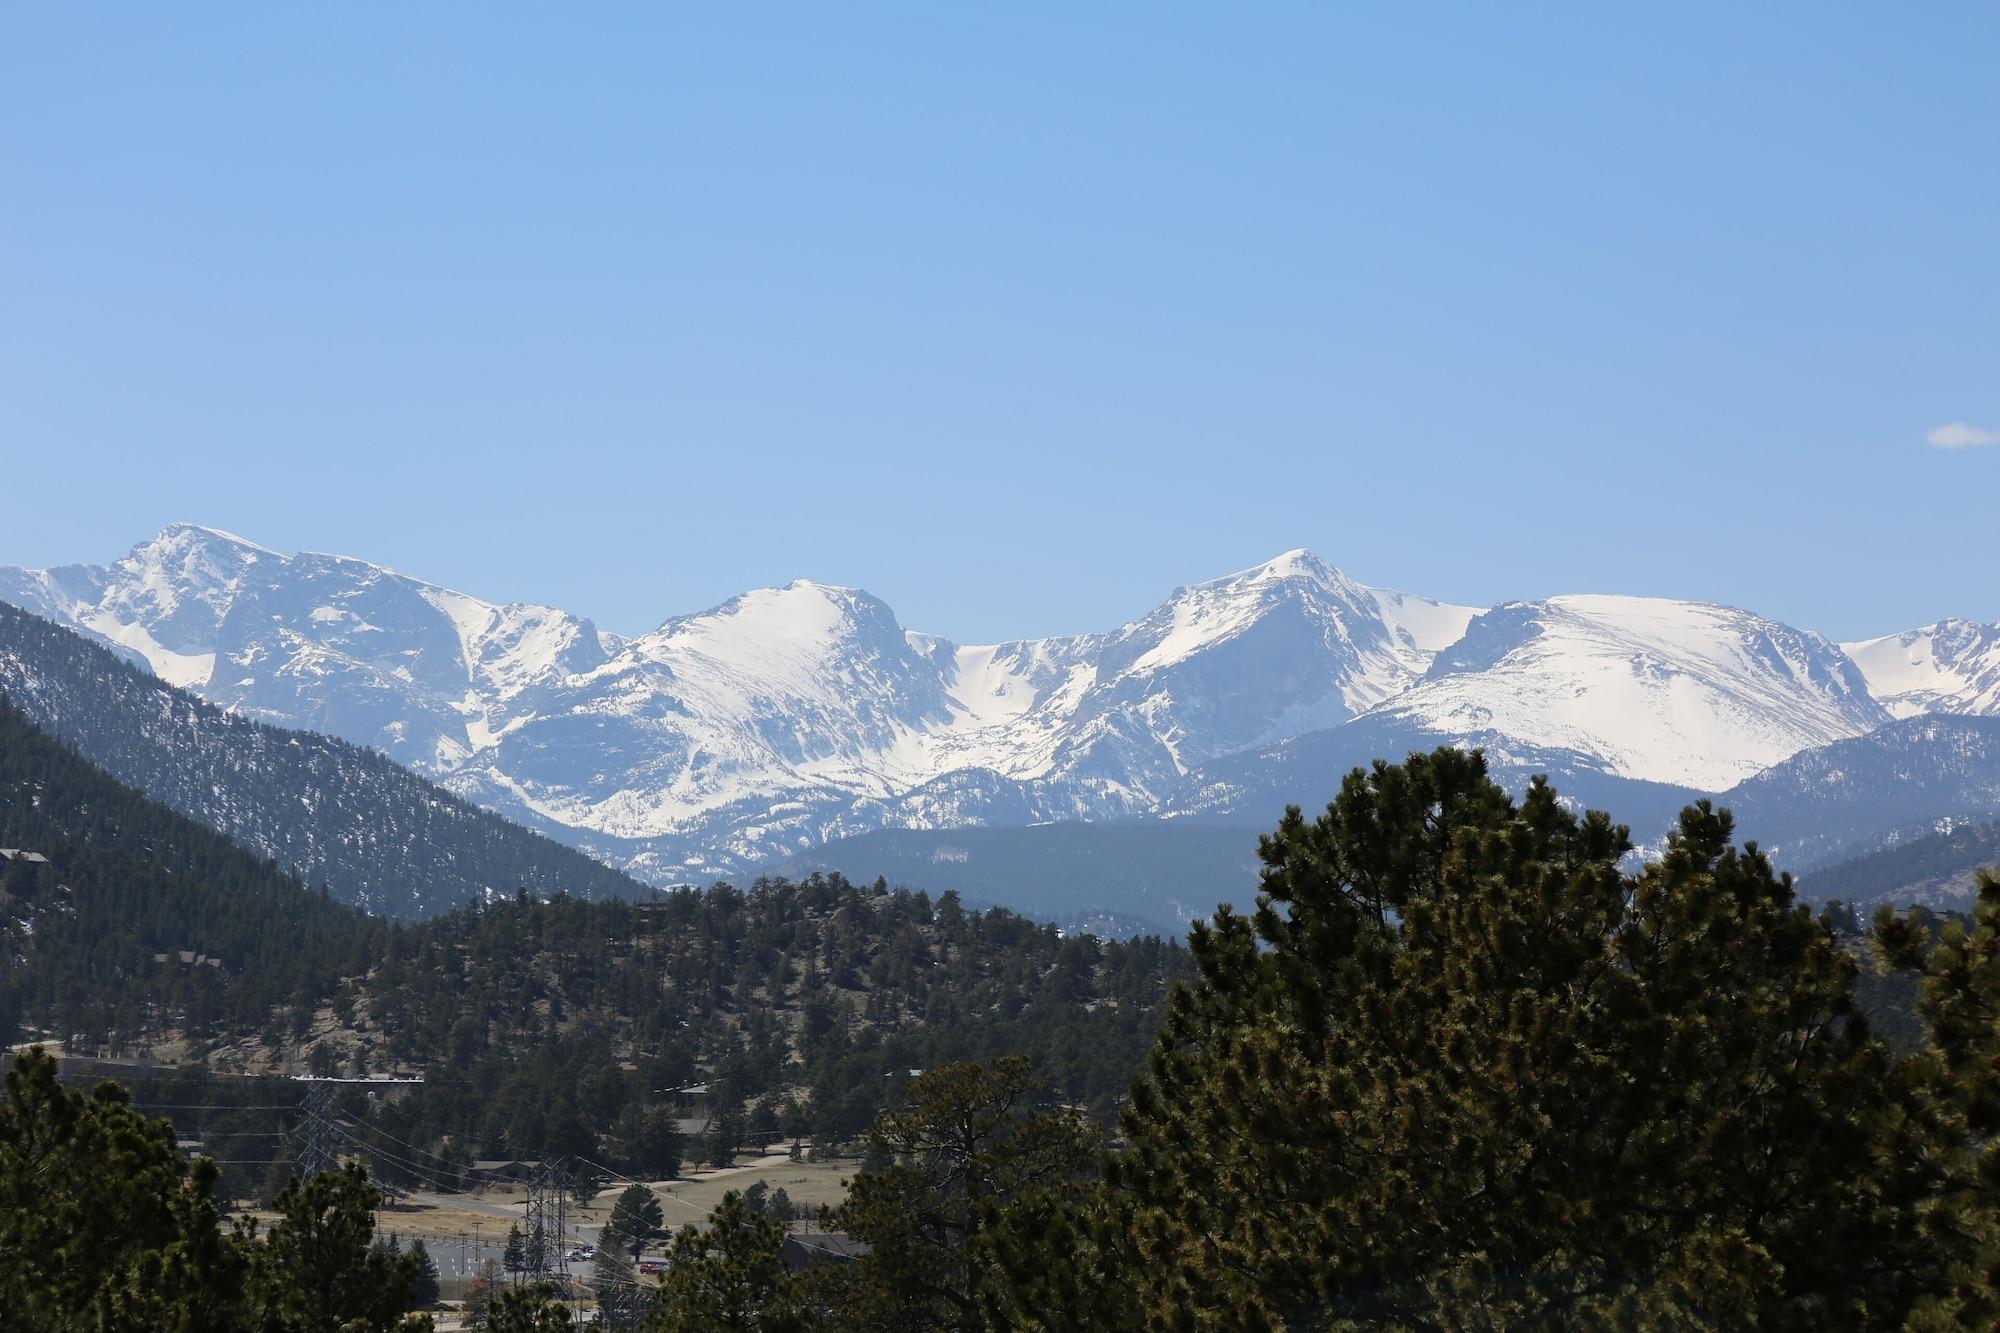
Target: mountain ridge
(786,718)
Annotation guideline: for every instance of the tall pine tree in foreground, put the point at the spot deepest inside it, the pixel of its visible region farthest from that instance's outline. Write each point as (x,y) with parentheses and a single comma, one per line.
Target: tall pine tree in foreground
(968,1157)
(1462,1069)
(1961,1009)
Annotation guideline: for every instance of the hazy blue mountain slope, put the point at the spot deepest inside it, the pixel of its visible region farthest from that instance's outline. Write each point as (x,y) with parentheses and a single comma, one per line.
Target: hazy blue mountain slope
(1161,874)
(1902,781)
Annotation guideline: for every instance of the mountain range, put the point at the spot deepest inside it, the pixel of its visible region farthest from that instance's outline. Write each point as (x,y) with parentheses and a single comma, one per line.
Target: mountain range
(787,719)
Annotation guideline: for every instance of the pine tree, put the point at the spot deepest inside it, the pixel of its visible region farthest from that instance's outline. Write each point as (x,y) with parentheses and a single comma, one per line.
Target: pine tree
(534,1307)
(514,1258)
(636,1217)
(425,1289)
(964,1149)
(615,1283)
(1461,1067)
(537,1250)
(1961,1008)
(102,1224)
(729,1278)
(723,1137)
(585,1183)
(317,1271)
(647,1142)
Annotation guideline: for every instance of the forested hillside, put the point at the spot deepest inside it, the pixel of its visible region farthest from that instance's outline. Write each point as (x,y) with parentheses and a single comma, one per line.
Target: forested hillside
(103,880)
(1938,870)
(541,1025)
(550,1027)
(335,815)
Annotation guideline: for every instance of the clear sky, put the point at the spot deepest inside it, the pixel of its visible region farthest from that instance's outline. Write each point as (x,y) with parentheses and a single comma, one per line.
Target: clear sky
(1017,315)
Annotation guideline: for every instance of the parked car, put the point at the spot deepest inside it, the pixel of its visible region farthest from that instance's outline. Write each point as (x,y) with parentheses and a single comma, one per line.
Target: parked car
(651,1266)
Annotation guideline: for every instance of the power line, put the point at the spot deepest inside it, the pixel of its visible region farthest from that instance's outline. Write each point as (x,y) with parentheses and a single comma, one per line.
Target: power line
(424,1173)
(206,1106)
(424,1152)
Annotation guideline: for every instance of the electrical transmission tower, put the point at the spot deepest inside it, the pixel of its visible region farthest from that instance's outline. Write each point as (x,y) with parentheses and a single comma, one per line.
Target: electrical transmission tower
(316,1152)
(545,1219)
(320,1134)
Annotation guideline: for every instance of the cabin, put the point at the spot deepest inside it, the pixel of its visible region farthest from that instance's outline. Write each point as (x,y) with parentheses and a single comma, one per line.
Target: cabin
(496,1169)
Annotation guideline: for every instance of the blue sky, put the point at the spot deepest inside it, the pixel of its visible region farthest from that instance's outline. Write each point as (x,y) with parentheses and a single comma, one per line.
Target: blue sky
(1016,315)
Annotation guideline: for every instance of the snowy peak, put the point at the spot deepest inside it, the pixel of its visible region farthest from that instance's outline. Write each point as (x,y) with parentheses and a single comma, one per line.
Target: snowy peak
(837,652)
(1688,693)
(162,602)
(1950,667)
(781,632)
(1285,646)
(323,641)
(1385,637)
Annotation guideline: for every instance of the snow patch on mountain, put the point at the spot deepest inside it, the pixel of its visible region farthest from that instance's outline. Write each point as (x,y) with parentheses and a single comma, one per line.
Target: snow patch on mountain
(1950,667)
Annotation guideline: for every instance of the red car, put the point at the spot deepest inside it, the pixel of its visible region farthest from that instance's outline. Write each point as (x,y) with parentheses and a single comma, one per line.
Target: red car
(651,1266)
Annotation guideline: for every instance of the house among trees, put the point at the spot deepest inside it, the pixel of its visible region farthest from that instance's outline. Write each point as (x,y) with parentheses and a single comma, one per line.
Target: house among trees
(822,1247)
(187,958)
(694,1115)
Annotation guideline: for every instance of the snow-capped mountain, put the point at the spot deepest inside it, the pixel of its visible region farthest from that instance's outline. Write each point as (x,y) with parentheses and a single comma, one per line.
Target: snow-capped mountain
(324,642)
(790,716)
(163,603)
(761,726)
(1687,693)
(1950,667)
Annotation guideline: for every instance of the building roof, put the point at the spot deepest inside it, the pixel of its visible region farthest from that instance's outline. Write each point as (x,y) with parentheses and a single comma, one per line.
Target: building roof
(823,1247)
